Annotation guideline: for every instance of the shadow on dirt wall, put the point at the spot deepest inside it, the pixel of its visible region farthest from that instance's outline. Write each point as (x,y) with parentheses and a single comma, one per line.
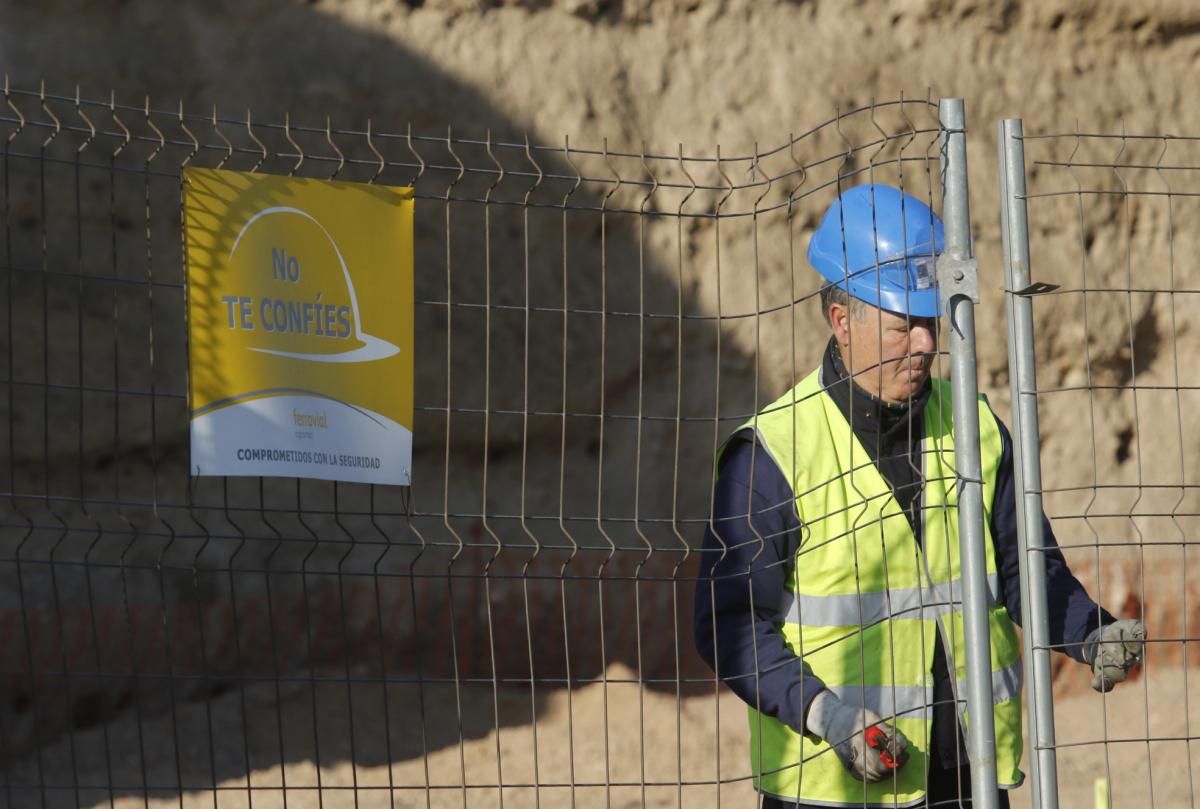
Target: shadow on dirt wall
(173,633)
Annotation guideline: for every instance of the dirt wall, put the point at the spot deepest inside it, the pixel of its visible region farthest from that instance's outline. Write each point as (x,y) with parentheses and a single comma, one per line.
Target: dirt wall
(736,73)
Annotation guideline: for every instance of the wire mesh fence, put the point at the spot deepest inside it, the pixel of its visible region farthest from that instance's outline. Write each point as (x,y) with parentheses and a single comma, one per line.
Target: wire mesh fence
(513,629)
(1111,223)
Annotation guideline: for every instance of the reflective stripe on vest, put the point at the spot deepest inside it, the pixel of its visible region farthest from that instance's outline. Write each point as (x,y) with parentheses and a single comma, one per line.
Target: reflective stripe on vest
(847,609)
(863,603)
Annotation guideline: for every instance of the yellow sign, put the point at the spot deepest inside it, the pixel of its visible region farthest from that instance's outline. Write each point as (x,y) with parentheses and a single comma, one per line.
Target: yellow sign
(300,322)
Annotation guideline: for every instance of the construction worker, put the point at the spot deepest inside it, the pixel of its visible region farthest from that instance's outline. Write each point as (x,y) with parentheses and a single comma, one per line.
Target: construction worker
(828,597)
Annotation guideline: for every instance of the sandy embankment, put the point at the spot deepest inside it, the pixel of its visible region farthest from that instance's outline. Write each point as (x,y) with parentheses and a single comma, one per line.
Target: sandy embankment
(671,745)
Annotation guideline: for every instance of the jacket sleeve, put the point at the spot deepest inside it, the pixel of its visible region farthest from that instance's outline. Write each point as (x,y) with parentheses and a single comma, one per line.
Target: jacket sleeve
(749,547)
(1072,612)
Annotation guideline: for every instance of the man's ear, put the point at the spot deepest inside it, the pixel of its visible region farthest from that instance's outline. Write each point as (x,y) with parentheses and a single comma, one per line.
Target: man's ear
(839,321)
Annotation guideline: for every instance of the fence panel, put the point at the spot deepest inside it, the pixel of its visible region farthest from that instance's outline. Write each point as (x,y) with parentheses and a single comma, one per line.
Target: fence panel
(1112,223)
(513,629)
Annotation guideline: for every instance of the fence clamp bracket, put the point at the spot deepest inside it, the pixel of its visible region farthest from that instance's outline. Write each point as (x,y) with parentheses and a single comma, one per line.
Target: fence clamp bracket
(958,276)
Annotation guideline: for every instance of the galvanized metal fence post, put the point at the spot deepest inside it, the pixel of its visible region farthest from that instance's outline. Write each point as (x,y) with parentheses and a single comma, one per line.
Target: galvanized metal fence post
(1014,225)
(957,280)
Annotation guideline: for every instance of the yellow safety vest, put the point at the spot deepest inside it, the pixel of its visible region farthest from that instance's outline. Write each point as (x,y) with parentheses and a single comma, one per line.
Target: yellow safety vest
(863,600)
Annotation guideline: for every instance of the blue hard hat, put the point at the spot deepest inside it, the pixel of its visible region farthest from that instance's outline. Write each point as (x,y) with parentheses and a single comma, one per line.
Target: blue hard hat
(880,245)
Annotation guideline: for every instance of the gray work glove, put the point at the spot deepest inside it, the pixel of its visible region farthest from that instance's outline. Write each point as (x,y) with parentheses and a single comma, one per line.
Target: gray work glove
(1113,651)
(870,748)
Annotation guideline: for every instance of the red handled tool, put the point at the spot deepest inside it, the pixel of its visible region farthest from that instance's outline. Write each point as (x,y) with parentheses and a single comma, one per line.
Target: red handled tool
(878,740)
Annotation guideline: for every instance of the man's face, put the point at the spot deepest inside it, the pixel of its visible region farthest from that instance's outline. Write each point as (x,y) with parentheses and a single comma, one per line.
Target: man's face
(888,355)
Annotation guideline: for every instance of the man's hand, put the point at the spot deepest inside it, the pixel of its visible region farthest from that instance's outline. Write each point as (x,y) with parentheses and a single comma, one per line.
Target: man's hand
(869,747)
(1113,651)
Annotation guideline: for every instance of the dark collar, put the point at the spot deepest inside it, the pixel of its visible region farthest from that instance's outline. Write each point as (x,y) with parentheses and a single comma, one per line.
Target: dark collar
(869,415)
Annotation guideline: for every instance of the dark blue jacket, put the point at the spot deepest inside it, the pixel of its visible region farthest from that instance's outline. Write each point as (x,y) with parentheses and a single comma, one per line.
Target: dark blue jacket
(741,576)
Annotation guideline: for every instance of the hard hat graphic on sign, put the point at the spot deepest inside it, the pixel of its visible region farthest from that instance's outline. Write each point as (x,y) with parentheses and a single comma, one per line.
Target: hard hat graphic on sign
(316,317)
(300,327)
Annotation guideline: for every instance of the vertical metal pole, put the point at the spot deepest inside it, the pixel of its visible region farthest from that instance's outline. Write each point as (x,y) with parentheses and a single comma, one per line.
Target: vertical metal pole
(957,281)
(1018,477)
(1014,224)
